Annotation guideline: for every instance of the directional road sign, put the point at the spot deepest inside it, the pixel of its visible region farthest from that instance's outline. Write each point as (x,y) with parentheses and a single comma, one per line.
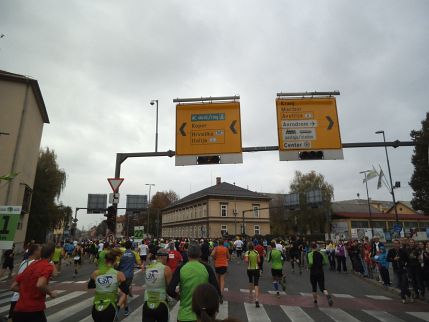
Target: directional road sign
(397,228)
(97,203)
(308,125)
(210,131)
(115,183)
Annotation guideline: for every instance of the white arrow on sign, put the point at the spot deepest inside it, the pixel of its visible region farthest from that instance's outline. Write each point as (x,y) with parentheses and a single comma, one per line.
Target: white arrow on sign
(115,183)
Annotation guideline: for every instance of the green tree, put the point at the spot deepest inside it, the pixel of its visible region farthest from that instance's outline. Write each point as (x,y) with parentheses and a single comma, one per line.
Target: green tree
(159,201)
(420,159)
(310,218)
(45,213)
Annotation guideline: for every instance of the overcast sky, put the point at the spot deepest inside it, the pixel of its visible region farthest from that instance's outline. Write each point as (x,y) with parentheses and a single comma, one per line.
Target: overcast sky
(99,63)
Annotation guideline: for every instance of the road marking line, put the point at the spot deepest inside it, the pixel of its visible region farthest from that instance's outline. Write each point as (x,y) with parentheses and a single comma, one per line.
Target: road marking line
(67,282)
(242,290)
(378,297)
(136,316)
(223,311)
(295,313)
(255,314)
(70,310)
(344,296)
(338,315)
(383,316)
(6,308)
(63,298)
(306,294)
(421,315)
(80,282)
(274,292)
(225,289)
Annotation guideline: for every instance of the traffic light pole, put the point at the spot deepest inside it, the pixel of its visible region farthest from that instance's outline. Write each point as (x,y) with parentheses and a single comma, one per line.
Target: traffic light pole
(121,157)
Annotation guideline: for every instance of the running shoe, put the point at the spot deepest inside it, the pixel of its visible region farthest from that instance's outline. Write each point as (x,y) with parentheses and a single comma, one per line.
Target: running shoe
(126,311)
(404,301)
(221,299)
(257,304)
(330,300)
(278,294)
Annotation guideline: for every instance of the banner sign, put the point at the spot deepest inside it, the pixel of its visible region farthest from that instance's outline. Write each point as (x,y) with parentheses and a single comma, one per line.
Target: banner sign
(9,218)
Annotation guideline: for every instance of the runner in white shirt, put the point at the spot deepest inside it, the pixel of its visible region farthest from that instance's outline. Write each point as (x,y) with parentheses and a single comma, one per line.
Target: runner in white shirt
(238,245)
(143,248)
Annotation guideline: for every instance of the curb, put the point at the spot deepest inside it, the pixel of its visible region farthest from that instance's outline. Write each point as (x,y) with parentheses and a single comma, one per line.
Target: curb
(390,289)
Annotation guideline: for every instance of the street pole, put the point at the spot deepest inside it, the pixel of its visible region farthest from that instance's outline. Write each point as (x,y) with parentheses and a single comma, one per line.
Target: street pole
(392,191)
(369,204)
(148,214)
(156,132)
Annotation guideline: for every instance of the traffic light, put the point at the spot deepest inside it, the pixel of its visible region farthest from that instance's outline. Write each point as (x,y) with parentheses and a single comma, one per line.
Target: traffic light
(311,155)
(111,218)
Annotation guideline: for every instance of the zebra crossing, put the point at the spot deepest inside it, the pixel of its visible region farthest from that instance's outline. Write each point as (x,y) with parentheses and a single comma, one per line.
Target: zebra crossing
(76,306)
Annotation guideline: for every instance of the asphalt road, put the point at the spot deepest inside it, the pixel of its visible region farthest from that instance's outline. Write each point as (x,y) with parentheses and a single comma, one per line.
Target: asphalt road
(354,299)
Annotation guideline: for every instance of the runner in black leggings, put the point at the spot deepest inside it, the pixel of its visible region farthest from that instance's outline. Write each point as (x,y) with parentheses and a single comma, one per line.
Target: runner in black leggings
(316,260)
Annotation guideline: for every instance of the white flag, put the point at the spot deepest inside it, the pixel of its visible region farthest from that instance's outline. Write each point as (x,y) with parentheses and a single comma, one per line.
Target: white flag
(370,175)
(380,177)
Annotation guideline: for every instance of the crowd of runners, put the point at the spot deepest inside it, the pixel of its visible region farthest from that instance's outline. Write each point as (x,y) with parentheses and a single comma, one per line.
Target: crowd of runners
(193,271)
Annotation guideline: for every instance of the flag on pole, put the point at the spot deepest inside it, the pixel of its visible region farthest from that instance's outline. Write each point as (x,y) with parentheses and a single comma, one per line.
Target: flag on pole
(380,177)
(370,175)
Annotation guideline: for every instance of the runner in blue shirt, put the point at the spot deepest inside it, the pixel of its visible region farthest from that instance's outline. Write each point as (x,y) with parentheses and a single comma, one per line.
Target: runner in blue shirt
(126,266)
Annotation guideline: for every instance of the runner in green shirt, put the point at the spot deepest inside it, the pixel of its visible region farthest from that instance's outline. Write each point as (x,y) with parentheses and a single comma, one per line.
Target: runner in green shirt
(102,256)
(251,257)
(107,281)
(188,277)
(276,258)
(58,255)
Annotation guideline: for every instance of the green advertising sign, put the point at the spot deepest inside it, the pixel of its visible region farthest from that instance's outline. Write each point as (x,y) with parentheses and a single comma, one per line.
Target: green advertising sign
(138,232)
(9,218)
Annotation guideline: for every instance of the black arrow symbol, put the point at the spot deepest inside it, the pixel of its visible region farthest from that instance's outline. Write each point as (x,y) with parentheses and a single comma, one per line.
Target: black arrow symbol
(182,129)
(331,123)
(232,127)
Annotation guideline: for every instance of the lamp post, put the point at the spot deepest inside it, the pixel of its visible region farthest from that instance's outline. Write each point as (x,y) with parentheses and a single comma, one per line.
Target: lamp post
(369,204)
(152,102)
(392,191)
(148,214)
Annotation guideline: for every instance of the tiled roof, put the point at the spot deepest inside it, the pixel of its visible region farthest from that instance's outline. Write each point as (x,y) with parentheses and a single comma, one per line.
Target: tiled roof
(223,189)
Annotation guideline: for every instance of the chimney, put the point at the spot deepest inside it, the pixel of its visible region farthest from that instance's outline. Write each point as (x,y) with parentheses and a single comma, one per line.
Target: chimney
(218,180)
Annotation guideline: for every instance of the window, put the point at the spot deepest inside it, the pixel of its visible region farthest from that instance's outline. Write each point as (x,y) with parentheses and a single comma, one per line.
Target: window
(379,224)
(223,230)
(255,210)
(360,224)
(26,201)
(257,230)
(223,209)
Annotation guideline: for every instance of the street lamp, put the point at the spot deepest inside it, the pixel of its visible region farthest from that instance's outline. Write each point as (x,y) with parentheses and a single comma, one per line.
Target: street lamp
(392,192)
(369,204)
(152,102)
(150,188)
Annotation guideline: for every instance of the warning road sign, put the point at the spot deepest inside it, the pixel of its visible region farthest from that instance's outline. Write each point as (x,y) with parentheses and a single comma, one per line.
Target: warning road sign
(115,183)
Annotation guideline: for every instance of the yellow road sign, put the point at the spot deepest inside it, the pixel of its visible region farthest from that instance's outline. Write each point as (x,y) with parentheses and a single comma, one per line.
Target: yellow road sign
(308,124)
(208,129)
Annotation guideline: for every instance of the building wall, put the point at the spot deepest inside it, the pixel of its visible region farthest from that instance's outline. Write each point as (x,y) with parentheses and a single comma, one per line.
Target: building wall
(20,116)
(402,210)
(203,218)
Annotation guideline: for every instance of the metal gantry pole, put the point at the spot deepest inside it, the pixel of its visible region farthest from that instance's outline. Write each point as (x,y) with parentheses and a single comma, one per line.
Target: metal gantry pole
(156,134)
(392,191)
(148,214)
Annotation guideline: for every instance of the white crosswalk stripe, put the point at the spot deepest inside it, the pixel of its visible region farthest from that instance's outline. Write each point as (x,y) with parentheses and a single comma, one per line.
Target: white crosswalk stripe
(344,296)
(79,303)
(256,314)
(421,315)
(378,297)
(274,292)
(339,315)
(383,316)
(296,314)
(63,298)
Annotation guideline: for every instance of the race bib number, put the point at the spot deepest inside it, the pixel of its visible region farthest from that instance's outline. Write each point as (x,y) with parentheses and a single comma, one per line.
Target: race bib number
(171,256)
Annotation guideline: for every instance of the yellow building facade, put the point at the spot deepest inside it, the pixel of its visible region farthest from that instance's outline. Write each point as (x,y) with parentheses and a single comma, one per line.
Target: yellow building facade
(217,211)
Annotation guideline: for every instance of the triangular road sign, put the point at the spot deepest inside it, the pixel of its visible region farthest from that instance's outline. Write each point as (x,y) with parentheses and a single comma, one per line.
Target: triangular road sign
(115,183)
